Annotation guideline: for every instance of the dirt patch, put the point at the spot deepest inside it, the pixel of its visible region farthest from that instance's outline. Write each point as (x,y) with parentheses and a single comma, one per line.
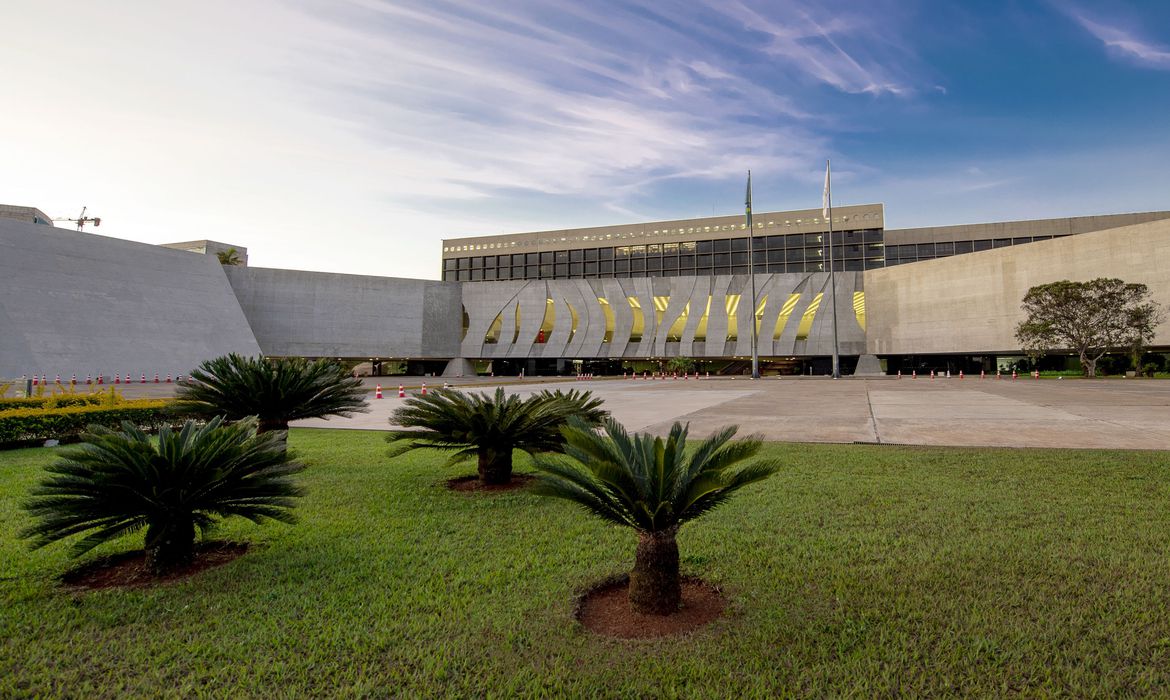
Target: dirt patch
(605,609)
(129,569)
(472,483)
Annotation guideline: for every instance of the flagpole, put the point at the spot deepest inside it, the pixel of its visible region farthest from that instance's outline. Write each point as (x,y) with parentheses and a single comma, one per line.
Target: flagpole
(832,275)
(752,277)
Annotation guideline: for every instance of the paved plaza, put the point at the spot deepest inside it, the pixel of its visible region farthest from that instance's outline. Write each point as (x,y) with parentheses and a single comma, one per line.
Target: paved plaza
(1107,413)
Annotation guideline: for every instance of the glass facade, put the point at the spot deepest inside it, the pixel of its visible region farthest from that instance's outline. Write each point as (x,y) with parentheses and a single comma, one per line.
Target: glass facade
(860,249)
(913,252)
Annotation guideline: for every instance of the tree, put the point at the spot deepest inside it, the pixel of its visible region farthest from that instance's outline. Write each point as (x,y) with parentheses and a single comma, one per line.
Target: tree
(1089,318)
(680,364)
(276,390)
(654,487)
(231,256)
(116,483)
(1144,321)
(489,427)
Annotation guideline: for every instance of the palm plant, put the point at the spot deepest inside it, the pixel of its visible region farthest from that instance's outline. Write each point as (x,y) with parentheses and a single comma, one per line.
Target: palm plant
(489,427)
(276,390)
(116,482)
(654,487)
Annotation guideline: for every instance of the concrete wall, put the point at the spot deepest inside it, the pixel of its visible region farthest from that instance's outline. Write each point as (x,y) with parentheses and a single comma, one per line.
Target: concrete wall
(580,322)
(971,303)
(317,314)
(79,302)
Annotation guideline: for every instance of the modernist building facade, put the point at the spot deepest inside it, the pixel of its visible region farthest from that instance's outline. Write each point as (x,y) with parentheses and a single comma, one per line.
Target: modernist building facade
(543,302)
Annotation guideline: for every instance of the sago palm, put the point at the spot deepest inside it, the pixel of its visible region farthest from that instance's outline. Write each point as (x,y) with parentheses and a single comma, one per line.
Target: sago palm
(653,486)
(276,390)
(488,427)
(118,482)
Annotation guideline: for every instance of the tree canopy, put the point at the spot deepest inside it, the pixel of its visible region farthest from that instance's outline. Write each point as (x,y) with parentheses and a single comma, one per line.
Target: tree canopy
(1090,318)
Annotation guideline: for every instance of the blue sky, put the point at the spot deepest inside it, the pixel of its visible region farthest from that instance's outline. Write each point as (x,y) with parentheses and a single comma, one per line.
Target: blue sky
(354,135)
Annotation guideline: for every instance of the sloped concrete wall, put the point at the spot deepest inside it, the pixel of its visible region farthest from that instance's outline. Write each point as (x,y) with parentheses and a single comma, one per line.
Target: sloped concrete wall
(971,303)
(74,302)
(319,314)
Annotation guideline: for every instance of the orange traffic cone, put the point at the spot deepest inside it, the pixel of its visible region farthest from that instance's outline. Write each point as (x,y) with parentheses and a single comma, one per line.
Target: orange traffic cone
(401,392)
(424,389)
(378,391)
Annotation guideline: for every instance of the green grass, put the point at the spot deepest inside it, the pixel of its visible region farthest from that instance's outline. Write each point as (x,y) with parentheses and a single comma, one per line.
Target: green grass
(858,570)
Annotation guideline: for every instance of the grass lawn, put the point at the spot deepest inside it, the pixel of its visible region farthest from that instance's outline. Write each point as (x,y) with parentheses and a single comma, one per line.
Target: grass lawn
(858,570)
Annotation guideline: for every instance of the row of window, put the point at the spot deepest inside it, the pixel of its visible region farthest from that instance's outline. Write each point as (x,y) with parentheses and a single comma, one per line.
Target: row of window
(851,240)
(556,272)
(870,218)
(900,254)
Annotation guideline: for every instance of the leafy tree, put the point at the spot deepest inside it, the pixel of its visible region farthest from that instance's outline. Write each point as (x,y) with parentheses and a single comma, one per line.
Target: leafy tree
(1089,318)
(231,256)
(489,427)
(654,487)
(276,390)
(680,364)
(116,483)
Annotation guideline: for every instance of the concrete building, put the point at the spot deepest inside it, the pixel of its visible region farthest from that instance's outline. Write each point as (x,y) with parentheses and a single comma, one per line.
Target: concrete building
(557,301)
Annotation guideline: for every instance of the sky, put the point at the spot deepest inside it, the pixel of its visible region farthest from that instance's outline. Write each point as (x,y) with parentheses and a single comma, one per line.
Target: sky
(354,135)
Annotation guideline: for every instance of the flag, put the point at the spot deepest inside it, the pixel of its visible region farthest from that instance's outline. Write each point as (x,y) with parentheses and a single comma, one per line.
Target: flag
(825,201)
(748,202)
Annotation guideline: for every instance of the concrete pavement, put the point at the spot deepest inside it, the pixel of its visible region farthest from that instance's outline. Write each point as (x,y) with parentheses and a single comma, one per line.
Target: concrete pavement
(1121,414)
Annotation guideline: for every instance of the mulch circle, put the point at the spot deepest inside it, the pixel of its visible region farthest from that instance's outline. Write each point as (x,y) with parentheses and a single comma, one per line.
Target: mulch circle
(605,610)
(129,569)
(472,483)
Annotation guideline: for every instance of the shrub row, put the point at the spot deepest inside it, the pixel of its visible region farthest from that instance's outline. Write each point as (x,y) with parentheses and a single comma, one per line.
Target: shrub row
(65,423)
(53,400)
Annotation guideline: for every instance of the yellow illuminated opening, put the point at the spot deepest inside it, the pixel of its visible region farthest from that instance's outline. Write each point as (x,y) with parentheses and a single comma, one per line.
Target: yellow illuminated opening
(660,304)
(859,308)
(785,313)
(547,323)
(760,313)
(701,328)
(573,315)
(732,304)
(493,332)
(609,322)
(674,333)
(639,326)
(806,320)
(516,335)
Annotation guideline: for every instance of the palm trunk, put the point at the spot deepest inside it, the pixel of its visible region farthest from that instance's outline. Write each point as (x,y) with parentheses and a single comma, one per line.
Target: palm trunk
(169,547)
(654,582)
(495,465)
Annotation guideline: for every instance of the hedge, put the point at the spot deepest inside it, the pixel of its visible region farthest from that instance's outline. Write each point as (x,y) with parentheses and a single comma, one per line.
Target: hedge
(29,424)
(53,400)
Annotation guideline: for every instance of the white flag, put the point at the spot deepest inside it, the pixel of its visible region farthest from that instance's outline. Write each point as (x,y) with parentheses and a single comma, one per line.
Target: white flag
(825,201)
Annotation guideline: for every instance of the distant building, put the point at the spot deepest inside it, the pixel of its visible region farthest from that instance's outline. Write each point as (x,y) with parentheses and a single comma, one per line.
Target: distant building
(30,215)
(211,248)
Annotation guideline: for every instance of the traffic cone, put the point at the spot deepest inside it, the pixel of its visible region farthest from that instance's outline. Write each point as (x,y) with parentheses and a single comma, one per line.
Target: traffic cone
(983,374)
(899,374)
(960,374)
(73,380)
(998,374)
(378,391)
(1036,374)
(89,379)
(424,389)
(708,374)
(1014,375)
(156,377)
(35,380)
(932,374)
(168,377)
(914,375)
(144,377)
(101,378)
(117,379)
(401,392)
(57,380)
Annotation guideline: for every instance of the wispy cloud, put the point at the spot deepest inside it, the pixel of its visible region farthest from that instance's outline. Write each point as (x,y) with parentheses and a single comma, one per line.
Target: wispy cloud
(1126,44)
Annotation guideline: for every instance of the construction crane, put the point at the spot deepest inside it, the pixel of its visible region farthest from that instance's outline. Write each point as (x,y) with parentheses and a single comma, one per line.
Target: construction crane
(82,220)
